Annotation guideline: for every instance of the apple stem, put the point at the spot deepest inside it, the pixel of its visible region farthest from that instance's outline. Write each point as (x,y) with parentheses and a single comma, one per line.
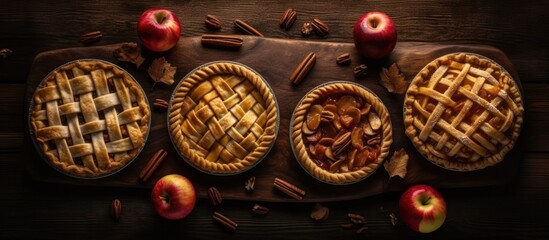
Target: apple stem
(165,198)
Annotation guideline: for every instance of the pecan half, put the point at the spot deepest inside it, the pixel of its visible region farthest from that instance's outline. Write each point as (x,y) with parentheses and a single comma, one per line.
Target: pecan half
(394,219)
(246,28)
(341,143)
(303,68)
(212,22)
(224,221)
(5,52)
(356,218)
(289,189)
(160,104)
(259,210)
(343,59)
(320,27)
(91,37)
(116,209)
(221,41)
(360,70)
(250,184)
(288,18)
(152,165)
(319,212)
(215,196)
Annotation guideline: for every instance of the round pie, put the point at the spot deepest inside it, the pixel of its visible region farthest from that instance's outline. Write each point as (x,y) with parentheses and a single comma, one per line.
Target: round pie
(340,133)
(223,118)
(463,112)
(89,118)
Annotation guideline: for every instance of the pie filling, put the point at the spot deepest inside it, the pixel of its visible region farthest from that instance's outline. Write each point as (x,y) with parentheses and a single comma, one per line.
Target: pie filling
(342,133)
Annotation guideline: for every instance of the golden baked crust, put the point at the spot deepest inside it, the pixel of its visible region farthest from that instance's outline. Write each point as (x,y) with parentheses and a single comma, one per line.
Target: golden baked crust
(89,118)
(223,118)
(298,137)
(463,112)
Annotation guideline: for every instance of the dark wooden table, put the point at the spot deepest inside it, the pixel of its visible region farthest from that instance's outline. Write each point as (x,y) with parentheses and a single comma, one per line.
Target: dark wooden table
(36,210)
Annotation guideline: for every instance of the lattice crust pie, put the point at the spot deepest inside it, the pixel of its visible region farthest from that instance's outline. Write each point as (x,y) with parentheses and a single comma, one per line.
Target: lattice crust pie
(223,118)
(463,112)
(341,133)
(89,118)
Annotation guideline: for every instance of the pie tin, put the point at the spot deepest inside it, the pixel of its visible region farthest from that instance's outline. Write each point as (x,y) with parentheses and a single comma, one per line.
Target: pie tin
(481,57)
(292,141)
(45,158)
(223,173)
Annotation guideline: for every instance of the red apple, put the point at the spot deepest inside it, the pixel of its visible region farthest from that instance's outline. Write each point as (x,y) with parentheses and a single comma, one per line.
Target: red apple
(375,35)
(422,208)
(158,29)
(173,196)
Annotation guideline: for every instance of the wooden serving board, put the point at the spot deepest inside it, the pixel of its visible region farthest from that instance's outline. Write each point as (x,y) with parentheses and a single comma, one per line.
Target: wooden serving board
(275,60)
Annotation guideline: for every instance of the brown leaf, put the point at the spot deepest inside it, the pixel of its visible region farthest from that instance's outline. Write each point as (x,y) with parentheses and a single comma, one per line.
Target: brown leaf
(393,80)
(397,165)
(129,52)
(319,212)
(162,71)
(5,52)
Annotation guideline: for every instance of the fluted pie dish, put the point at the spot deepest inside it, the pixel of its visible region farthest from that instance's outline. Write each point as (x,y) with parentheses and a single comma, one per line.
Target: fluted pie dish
(89,118)
(463,112)
(223,118)
(340,133)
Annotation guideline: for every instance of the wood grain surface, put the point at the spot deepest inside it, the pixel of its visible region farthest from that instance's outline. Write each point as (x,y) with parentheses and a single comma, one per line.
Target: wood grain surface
(40,210)
(275,60)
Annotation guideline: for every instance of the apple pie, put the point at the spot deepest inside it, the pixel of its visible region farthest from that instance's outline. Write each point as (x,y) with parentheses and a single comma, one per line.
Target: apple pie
(223,118)
(463,112)
(341,133)
(89,118)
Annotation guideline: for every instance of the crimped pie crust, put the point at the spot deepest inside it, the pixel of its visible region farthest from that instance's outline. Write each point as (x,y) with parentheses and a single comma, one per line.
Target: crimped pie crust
(300,148)
(89,118)
(476,117)
(223,118)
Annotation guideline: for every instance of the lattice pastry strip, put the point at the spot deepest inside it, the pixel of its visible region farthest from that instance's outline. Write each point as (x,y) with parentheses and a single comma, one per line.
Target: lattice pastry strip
(92,122)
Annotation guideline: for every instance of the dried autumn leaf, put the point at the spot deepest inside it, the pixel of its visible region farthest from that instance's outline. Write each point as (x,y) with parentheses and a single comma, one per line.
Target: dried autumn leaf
(129,52)
(319,212)
(5,52)
(393,80)
(162,71)
(397,165)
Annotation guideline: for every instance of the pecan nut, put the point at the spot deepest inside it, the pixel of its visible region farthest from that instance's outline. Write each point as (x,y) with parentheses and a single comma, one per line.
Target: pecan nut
(343,59)
(212,22)
(360,70)
(250,184)
(319,27)
(260,210)
(160,104)
(288,18)
(215,196)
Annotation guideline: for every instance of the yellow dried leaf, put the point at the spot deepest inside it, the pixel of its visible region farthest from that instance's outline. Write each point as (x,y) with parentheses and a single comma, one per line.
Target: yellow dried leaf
(393,80)
(162,71)
(397,165)
(129,52)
